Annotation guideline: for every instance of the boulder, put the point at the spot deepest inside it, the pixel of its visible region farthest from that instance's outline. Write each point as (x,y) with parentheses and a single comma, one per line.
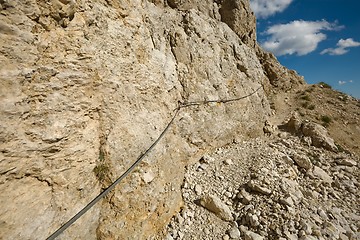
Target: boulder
(319,136)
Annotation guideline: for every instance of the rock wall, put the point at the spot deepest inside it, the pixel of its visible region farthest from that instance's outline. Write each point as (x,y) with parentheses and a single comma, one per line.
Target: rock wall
(86,87)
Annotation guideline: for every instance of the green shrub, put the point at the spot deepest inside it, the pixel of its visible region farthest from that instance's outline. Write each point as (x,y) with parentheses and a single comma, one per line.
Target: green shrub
(101,171)
(305,97)
(305,104)
(311,107)
(324,85)
(326,120)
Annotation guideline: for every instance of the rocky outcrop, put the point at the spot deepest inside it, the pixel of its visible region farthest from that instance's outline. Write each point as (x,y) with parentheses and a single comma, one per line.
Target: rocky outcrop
(280,78)
(86,86)
(316,134)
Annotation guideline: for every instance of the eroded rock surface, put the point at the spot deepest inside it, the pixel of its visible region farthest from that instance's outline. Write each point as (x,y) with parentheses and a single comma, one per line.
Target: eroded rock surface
(86,86)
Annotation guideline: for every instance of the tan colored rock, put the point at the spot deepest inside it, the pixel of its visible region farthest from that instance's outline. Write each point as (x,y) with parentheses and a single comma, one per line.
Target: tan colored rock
(86,87)
(239,17)
(249,235)
(257,188)
(318,172)
(317,133)
(346,162)
(215,205)
(319,136)
(302,161)
(294,124)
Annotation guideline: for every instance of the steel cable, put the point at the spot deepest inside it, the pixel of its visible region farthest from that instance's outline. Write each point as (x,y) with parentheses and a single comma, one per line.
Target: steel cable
(118,180)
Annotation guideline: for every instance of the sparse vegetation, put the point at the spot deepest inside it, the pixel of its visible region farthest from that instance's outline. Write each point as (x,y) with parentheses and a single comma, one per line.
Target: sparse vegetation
(325,85)
(101,155)
(101,171)
(305,97)
(326,120)
(306,100)
(311,107)
(305,104)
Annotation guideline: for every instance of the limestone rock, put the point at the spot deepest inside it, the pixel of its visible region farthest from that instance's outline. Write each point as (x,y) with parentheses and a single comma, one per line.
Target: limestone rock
(318,172)
(215,205)
(302,161)
(234,233)
(87,86)
(148,176)
(319,136)
(346,162)
(294,124)
(249,235)
(257,188)
(238,16)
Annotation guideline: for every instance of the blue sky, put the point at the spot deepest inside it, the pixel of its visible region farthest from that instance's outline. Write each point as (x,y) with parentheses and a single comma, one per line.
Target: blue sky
(320,39)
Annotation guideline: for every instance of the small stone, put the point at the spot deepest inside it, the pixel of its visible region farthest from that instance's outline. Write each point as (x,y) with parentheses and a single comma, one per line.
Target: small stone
(148,176)
(306,227)
(319,173)
(203,166)
(308,237)
(254,220)
(287,201)
(290,236)
(228,162)
(228,194)
(244,196)
(207,159)
(287,159)
(179,219)
(215,205)
(226,237)
(234,233)
(249,235)
(343,237)
(302,161)
(207,231)
(248,207)
(256,188)
(322,214)
(198,189)
(346,162)
(169,237)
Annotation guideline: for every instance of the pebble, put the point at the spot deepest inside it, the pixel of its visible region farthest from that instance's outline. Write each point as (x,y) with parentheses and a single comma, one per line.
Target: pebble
(234,233)
(259,189)
(287,201)
(228,162)
(249,235)
(346,162)
(302,161)
(198,189)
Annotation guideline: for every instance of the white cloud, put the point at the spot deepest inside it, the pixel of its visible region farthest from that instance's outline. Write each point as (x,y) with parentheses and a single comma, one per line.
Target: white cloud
(297,37)
(266,8)
(344,82)
(342,47)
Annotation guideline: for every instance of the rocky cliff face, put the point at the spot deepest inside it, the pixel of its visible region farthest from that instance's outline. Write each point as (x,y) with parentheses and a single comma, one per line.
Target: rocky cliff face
(86,87)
